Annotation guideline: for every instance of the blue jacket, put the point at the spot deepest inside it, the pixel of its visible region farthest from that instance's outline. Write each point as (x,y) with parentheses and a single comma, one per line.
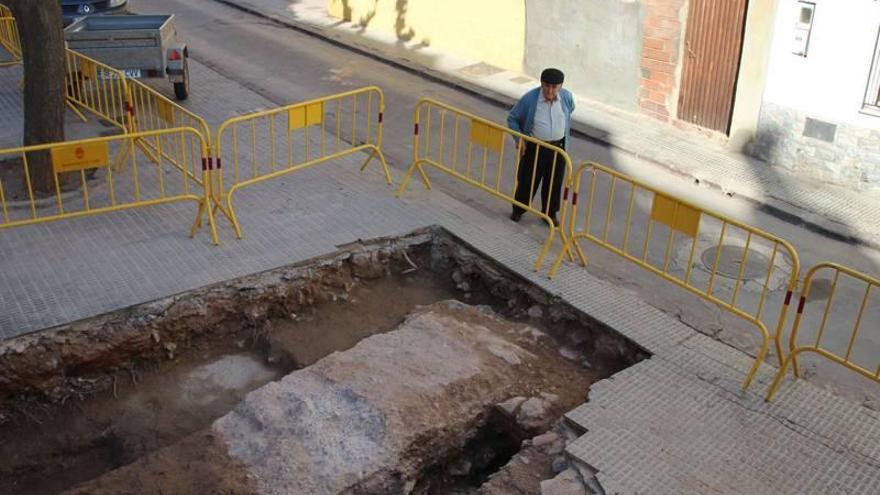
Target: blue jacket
(522,116)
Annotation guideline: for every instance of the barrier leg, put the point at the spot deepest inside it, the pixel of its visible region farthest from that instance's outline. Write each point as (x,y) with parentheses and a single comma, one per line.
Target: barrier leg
(218,206)
(546,248)
(777,381)
(376,153)
(204,208)
(562,236)
(778,346)
(211,223)
(577,249)
(76,111)
(566,248)
(408,176)
(197,224)
(580,252)
(555,266)
(757,364)
(121,159)
(145,147)
(424,176)
(230,213)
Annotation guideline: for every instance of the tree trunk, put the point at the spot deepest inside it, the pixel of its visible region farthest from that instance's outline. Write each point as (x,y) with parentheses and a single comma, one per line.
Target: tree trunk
(42,44)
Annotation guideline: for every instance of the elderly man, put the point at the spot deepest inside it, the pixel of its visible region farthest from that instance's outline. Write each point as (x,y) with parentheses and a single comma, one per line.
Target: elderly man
(543,113)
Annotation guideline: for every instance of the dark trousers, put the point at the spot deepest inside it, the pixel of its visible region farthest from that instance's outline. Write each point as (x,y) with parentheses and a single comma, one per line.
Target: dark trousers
(542,172)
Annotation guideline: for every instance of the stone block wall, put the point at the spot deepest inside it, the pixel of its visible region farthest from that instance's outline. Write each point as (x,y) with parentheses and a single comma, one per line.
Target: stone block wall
(829,151)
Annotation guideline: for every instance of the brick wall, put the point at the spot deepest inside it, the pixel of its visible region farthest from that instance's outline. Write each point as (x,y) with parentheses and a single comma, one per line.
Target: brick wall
(663,30)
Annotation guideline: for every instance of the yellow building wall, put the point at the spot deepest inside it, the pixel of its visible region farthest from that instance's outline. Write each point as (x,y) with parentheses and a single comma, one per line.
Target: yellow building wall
(492,31)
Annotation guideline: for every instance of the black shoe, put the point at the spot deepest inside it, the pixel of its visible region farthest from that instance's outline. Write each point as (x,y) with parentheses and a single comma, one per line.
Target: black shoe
(555,221)
(515,216)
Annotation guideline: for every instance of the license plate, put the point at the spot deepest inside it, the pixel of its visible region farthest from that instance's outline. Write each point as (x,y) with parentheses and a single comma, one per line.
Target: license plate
(129,73)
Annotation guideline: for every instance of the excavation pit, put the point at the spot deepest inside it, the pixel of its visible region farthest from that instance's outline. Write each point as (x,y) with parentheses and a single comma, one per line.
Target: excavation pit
(414,362)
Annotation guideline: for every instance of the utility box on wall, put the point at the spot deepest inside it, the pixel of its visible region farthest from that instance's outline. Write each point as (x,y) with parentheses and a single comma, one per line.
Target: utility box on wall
(802,28)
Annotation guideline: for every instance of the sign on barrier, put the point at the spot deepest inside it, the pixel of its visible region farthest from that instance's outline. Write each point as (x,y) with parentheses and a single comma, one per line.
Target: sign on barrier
(94,176)
(739,267)
(263,145)
(846,353)
(76,157)
(447,139)
(300,117)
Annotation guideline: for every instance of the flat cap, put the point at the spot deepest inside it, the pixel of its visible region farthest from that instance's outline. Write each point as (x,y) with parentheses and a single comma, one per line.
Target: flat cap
(552,76)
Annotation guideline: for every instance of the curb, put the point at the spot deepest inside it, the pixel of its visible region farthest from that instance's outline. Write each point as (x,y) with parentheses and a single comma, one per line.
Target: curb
(578,129)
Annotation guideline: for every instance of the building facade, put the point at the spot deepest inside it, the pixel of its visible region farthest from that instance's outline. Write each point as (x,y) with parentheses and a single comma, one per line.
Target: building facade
(820,115)
(794,83)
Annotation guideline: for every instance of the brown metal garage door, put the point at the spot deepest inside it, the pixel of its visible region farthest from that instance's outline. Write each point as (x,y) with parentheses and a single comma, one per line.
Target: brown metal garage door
(713,46)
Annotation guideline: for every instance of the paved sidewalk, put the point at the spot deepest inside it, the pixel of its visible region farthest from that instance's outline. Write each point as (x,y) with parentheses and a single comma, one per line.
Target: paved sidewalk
(830,210)
(12,106)
(55,273)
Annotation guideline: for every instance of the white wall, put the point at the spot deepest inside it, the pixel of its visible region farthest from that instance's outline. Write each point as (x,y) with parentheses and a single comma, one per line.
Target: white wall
(830,82)
(598,43)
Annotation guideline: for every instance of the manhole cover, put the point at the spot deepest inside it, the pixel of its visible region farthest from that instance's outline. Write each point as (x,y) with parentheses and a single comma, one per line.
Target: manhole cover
(730,260)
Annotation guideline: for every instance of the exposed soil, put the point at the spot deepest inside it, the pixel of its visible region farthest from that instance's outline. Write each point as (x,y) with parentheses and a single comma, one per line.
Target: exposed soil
(490,463)
(521,476)
(55,448)
(342,404)
(181,364)
(371,308)
(49,449)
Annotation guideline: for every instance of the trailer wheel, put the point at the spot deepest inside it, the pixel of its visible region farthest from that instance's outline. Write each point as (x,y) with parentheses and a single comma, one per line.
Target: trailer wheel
(181,89)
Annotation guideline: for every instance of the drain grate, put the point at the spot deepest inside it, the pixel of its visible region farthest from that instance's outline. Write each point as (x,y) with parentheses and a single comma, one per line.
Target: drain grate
(730,260)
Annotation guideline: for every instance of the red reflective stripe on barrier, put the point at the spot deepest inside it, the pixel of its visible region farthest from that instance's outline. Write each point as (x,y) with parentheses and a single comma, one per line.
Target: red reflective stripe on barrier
(210,163)
(788,298)
(574,198)
(380,117)
(565,194)
(801,304)
(218,163)
(417,129)
(204,164)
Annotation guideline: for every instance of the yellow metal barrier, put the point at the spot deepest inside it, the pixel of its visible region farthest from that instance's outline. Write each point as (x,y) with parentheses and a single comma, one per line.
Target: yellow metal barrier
(447,138)
(292,138)
(673,217)
(9,39)
(93,176)
(150,111)
(129,104)
(846,359)
(97,88)
(91,85)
